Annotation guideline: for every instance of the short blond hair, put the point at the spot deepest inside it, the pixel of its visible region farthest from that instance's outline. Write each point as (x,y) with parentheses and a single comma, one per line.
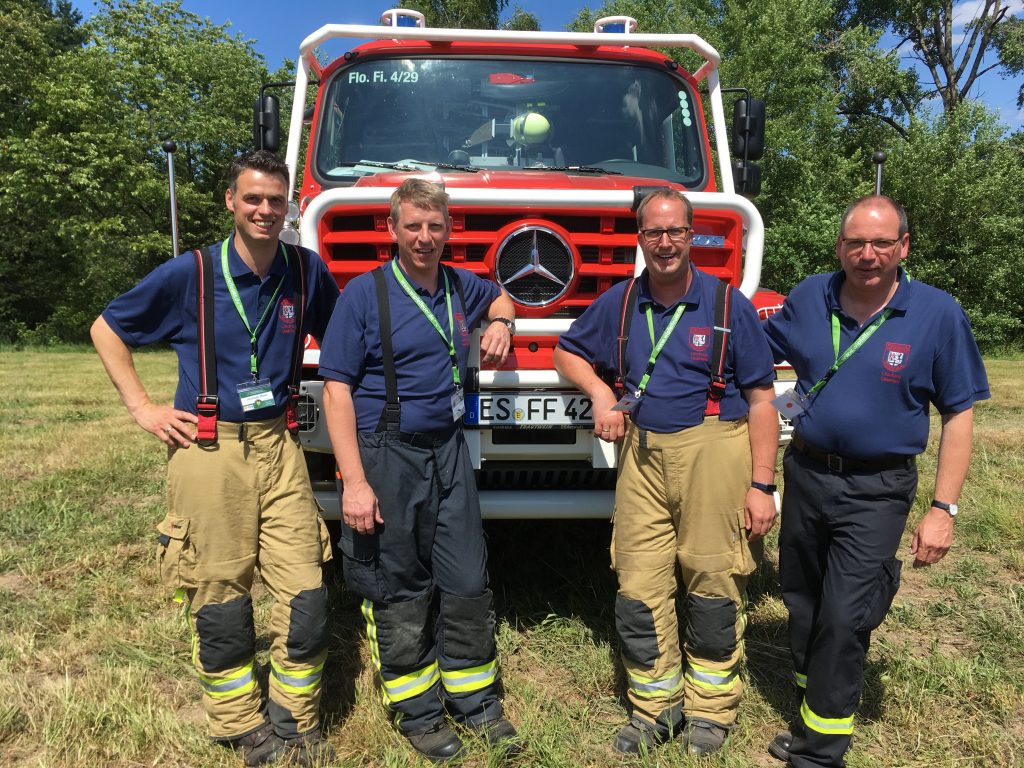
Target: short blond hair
(664,194)
(420,193)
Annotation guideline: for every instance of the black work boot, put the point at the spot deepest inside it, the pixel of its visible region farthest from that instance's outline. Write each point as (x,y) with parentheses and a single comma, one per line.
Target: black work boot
(704,737)
(259,747)
(437,743)
(311,750)
(638,736)
(500,734)
(779,746)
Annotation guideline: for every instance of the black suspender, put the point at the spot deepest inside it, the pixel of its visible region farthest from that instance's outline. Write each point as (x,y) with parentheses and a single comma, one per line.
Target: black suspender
(391,416)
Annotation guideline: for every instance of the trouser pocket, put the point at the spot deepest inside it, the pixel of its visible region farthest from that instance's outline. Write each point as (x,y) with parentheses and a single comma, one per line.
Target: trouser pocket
(175,554)
(886,586)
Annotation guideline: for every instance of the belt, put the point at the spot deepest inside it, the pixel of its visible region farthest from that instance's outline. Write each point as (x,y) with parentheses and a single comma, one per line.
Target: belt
(428,439)
(842,464)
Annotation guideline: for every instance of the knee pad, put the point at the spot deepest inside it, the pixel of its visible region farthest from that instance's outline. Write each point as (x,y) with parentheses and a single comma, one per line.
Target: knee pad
(634,622)
(227,637)
(307,625)
(710,627)
(467,626)
(402,637)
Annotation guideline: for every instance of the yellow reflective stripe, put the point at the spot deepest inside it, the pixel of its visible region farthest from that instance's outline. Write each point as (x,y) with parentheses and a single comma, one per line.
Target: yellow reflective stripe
(656,688)
(471,679)
(179,595)
(412,685)
(371,632)
(711,679)
(799,679)
(298,681)
(833,726)
(224,686)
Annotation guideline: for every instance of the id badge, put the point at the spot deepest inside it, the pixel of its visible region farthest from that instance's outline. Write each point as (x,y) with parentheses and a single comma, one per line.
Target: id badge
(256,394)
(628,402)
(458,404)
(791,403)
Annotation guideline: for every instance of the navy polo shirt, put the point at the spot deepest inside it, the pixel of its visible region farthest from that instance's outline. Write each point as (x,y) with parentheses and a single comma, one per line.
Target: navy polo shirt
(676,394)
(876,404)
(352,351)
(163,308)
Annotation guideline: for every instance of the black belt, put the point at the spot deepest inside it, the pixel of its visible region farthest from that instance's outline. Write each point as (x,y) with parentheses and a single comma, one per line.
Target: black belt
(428,439)
(841,464)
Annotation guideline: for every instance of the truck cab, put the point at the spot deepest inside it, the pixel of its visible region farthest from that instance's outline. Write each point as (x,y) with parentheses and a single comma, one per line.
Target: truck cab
(545,143)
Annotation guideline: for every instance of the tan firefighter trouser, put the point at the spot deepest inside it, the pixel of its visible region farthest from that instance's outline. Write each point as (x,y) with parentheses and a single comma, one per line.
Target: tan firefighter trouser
(679,499)
(244,503)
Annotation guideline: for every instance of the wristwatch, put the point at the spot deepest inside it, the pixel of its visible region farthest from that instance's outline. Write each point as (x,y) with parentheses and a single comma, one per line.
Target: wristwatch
(510,324)
(952,509)
(769,488)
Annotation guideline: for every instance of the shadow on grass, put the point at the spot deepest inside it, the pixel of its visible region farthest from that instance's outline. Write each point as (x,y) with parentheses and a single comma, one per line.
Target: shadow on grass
(344,665)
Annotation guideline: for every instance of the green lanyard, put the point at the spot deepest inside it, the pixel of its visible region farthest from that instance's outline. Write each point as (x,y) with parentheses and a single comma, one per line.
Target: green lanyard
(657,347)
(859,342)
(449,341)
(253,332)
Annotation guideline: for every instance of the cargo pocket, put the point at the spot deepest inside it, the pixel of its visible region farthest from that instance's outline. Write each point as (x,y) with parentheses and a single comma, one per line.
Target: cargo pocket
(174,553)
(886,586)
(360,560)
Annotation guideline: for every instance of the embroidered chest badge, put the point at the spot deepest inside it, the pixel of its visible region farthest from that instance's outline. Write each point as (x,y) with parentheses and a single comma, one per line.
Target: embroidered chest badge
(894,360)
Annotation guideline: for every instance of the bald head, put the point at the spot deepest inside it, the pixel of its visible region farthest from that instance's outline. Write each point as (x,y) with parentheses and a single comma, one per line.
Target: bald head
(876,202)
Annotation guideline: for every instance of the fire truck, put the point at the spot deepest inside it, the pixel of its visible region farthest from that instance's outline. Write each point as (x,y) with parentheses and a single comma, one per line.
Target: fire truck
(545,143)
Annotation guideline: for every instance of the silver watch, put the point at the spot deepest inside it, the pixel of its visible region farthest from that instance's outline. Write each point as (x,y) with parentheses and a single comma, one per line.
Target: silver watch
(952,509)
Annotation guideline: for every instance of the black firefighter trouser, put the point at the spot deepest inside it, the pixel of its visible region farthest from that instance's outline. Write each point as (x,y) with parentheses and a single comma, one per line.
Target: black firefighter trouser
(423,579)
(839,575)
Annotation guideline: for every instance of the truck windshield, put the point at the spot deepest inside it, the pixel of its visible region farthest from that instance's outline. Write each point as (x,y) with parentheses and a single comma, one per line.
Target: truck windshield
(510,114)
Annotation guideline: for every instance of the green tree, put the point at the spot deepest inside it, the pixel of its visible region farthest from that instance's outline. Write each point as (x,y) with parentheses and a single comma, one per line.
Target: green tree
(959,179)
(521,21)
(460,14)
(1011,50)
(954,66)
(89,174)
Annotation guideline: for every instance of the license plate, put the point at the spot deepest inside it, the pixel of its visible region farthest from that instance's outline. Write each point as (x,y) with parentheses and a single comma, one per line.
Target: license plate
(528,409)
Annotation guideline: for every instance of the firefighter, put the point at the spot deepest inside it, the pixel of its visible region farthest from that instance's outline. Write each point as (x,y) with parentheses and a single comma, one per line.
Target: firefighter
(238,493)
(395,363)
(696,471)
(872,349)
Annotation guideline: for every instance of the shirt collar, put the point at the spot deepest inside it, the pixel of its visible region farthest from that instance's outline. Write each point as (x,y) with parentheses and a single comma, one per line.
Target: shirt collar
(239,268)
(690,298)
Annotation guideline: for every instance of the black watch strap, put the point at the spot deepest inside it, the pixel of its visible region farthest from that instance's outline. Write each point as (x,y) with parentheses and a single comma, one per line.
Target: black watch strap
(769,488)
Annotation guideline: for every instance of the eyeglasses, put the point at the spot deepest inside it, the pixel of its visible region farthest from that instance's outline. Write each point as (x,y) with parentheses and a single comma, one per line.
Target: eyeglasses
(883,245)
(675,234)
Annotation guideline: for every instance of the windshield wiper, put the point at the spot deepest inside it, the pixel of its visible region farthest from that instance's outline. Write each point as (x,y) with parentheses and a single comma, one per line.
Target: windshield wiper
(572,169)
(413,165)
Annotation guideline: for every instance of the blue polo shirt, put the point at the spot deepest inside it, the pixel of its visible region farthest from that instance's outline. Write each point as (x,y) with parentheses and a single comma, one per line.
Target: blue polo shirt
(163,308)
(676,395)
(352,351)
(876,404)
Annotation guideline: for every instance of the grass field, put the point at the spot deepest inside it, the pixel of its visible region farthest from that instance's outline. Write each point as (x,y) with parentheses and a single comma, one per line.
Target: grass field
(94,657)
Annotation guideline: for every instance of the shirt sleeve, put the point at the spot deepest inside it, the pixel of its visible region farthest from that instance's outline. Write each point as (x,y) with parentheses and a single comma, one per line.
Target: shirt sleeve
(592,336)
(343,351)
(480,294)
(152,310)
(751,354)
(958,372)
(325,295)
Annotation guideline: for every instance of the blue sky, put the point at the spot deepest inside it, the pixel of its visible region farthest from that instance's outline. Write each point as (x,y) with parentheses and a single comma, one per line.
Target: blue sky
(278,27)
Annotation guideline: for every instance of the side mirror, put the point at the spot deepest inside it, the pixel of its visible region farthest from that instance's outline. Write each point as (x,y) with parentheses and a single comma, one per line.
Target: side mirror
(266,123)
(746,177)
(748,129)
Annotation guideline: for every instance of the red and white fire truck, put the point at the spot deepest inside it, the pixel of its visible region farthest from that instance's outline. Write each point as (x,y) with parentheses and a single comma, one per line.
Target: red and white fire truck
(545,142)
